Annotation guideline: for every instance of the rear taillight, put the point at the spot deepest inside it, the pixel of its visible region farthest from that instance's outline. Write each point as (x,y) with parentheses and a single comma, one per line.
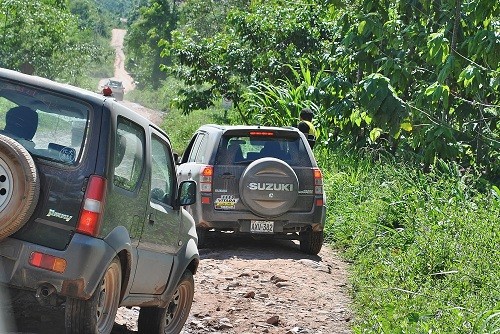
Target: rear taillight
(206,178)
(93,204)
(48,262)
(318,181)
(262,133)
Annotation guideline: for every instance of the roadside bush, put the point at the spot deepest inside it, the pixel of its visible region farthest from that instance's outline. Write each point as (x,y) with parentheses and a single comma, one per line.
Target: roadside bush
(424,246)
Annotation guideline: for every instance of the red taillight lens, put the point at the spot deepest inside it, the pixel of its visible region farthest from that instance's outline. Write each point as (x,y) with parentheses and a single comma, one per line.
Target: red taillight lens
(93,203)
(261,133)
(206,175)
(318,181)
(48,262)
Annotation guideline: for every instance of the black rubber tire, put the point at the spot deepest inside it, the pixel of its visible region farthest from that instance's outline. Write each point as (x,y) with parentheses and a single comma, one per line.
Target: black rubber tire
(19,186)
(311,241)
(202,236)
(171,319)
(97,314)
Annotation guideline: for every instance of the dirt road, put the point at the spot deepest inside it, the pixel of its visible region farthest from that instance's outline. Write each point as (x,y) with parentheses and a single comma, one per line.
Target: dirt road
(117,36)
(249,286)
(263,286)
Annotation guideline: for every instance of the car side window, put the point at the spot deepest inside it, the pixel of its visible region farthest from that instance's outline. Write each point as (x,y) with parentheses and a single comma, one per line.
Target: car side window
(128,154)
(198,151)
(162,174)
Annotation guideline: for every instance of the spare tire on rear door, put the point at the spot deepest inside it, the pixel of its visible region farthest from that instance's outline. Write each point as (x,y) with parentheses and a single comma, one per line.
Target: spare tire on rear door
(19,186)
(269,187)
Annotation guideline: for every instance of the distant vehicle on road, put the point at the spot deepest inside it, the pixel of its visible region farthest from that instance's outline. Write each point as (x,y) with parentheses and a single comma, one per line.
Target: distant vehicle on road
(116,87)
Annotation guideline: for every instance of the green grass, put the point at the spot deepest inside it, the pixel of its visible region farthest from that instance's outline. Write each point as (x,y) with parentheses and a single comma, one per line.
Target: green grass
(424,248)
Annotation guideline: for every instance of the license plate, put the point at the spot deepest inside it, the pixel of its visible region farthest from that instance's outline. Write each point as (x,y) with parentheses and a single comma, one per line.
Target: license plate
(261,226)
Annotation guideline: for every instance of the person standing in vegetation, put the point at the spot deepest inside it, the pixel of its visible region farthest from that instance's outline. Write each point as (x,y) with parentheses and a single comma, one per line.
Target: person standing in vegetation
(305,125)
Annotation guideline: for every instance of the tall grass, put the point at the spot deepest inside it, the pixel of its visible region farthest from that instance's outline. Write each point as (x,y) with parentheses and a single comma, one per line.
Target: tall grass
(425,248)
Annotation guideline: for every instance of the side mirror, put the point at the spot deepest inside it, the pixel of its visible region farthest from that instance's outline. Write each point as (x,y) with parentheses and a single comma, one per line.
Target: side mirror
(187,193)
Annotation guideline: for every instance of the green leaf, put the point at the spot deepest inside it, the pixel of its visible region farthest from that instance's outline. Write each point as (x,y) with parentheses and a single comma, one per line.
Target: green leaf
(431,89)
(375,134)
(361,27)
(406,126)
(468,75)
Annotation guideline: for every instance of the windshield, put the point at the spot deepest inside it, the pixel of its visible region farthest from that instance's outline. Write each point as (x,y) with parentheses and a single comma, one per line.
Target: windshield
(236,149)
(47,125)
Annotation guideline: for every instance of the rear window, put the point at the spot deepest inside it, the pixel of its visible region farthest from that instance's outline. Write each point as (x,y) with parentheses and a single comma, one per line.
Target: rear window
(49,126)
(237,149)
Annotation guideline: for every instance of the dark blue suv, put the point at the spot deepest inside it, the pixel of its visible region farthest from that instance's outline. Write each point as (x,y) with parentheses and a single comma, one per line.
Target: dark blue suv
(92,216)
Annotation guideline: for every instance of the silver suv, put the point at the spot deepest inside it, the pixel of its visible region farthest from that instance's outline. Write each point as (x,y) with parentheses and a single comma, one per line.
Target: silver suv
(256,180)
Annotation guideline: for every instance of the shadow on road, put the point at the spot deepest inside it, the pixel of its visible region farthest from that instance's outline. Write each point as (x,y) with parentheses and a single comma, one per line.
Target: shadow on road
(228,245)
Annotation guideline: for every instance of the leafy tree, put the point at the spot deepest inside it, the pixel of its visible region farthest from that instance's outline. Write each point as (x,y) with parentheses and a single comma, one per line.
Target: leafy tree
(442,59)
(255,44)
(91,18)
(418,77)
(207,18)
(154,21)
(43,37)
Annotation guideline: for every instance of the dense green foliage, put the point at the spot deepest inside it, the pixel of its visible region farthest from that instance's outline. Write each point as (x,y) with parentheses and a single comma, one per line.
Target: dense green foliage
(424,247)
(149,25)
(56,39)
(419,78)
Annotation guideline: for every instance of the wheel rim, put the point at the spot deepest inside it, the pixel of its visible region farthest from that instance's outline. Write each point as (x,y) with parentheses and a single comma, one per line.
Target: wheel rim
(177,306)
(108,299)
(6,182)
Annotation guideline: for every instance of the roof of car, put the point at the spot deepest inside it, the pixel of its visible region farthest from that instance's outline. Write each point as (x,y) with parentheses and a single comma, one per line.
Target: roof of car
(48,84)
(224,128)
(85,94)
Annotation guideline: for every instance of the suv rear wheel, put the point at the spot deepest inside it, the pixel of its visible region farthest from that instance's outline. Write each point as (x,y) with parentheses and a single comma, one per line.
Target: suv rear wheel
(311,241)
(96,315)
(19,186)
(171,319)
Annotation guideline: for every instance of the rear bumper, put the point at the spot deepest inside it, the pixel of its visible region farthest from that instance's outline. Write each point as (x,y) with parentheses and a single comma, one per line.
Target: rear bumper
(240,221)
(86,259)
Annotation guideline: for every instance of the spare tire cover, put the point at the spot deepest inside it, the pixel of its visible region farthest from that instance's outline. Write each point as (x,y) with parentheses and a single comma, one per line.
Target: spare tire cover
(269,187)
(19,186)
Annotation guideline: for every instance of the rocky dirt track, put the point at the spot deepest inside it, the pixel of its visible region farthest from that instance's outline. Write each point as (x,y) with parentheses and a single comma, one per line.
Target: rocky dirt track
(250,286)
(263,286)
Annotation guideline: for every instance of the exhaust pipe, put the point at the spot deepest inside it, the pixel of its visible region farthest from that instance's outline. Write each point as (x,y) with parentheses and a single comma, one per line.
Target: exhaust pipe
(43,292)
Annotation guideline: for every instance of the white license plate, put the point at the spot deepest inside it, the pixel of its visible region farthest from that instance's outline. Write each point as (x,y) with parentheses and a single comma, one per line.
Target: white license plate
(261,226)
